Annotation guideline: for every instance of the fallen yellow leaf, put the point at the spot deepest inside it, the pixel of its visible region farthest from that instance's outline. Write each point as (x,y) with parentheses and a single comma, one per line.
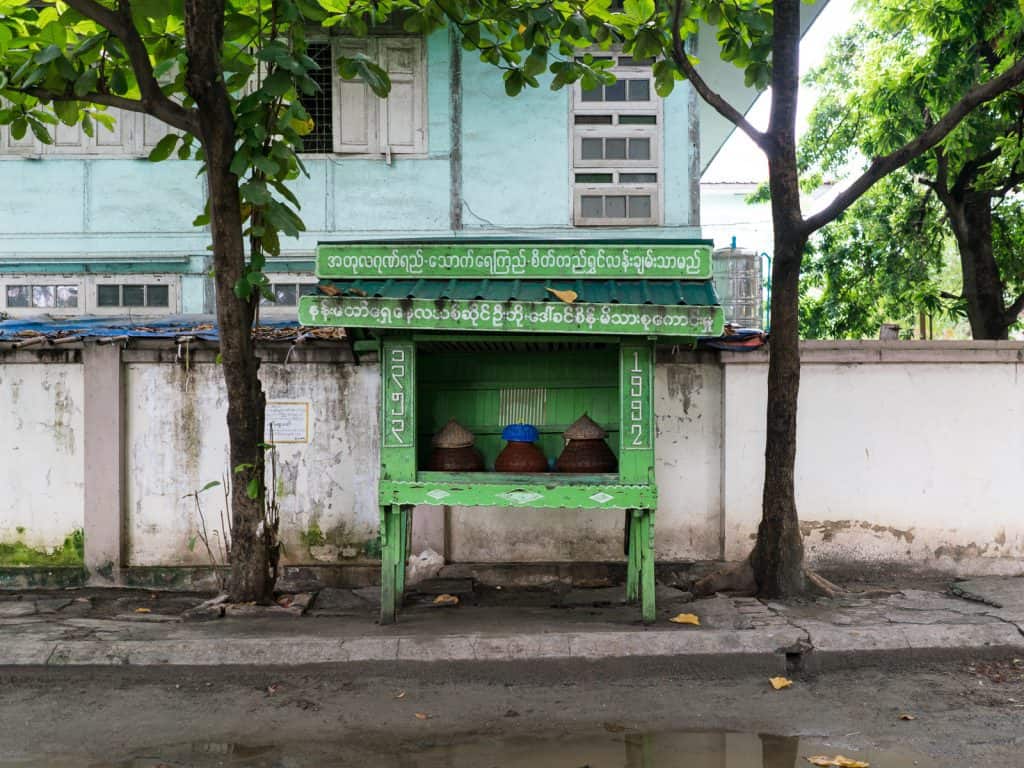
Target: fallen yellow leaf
(446,600)
(422,716)
(686,618)
(837,762)
(567,296)
(400,695)
(143,610)
(906,716)
(778,683)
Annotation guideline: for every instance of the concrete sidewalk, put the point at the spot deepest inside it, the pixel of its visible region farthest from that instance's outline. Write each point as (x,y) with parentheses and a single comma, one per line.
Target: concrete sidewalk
(139,627)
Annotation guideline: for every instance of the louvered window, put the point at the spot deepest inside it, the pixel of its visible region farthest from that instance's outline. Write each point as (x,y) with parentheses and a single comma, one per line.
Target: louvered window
(616,148)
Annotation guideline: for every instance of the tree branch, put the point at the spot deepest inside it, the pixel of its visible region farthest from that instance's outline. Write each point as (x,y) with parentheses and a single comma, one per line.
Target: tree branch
(1014,310)
(970,170)
(154,101)
(720,105)
(105,99)
(881,166)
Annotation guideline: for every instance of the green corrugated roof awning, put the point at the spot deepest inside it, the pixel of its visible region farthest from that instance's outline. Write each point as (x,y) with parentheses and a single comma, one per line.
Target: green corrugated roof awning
(635,292)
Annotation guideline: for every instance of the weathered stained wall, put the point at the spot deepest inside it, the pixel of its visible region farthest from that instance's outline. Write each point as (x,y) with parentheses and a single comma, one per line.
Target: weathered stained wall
(177,443)
(41,467)
(906,455)
(909,455)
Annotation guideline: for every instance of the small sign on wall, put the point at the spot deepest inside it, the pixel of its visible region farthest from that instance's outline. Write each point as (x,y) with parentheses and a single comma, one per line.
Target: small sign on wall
(289,420)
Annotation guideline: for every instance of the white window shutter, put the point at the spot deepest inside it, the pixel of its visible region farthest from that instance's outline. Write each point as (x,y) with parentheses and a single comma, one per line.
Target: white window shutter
(354,106)
(69,139)
(153,131)
(119,139)
(402,119)
(26,145)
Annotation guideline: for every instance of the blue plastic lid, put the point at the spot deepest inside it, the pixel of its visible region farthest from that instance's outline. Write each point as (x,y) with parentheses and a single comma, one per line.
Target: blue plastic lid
(520,433)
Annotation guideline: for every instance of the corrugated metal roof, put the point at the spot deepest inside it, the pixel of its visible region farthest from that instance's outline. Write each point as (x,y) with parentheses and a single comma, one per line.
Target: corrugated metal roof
(658,292)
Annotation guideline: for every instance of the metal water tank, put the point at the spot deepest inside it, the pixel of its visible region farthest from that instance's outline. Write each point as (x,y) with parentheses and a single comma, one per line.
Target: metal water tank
(738,280)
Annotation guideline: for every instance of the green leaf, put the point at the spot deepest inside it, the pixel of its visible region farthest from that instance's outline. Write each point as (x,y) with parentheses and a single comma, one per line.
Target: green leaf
(638,11)
(86,82)
(39,130)
(164,148)
(209,485)
(277,84)
(255,192)
(536,62)
(55,34)
(252,488)
(18,128)
(514,82)
(47,54)
(67,111)
(118,82)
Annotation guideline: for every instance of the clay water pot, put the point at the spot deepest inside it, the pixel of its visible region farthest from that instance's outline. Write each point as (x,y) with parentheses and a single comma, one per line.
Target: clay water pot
(453,450)
(585,450)
(591,457)
(463,459)
(520,455)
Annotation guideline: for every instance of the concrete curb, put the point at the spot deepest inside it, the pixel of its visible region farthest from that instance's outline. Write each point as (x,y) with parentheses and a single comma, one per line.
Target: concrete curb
(298,650)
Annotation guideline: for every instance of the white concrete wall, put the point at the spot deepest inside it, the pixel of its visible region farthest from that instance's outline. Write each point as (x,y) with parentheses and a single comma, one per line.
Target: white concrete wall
(41,465)
(909,455)
(177,442)
(898,463)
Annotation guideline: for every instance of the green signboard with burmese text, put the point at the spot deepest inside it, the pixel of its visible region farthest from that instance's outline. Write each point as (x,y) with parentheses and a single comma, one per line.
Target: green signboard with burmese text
(483,315)
(497,260)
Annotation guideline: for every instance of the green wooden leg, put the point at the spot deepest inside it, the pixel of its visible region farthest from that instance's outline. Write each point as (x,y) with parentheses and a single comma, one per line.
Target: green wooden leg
(405,533)
(388,538)
(633,552)
(648,610)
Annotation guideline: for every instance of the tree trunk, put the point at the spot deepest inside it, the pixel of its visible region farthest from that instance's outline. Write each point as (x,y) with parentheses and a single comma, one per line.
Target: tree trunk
(970,215)
(251,578)
(777,558)
(778,554)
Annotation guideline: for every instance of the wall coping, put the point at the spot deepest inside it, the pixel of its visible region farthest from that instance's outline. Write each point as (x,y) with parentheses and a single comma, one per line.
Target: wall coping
(871,351)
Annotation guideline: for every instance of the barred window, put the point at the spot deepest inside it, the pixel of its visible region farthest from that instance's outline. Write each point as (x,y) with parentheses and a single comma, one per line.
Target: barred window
(350,119)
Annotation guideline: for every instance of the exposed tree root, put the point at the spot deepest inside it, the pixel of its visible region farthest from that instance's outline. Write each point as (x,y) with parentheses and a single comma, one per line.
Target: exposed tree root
(822,587)
(739,580)
(736,579)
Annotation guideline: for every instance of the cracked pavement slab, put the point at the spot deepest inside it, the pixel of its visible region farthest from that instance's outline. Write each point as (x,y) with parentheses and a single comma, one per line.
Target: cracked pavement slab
(532,625)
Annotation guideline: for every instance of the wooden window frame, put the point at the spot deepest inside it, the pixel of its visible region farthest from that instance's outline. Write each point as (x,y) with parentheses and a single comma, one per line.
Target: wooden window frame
(654,164)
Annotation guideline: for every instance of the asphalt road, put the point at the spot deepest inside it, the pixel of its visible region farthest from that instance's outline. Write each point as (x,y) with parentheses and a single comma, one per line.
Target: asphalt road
(967,712)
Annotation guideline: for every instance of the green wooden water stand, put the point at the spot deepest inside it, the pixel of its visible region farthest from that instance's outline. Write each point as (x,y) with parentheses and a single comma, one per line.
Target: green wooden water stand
(475,331)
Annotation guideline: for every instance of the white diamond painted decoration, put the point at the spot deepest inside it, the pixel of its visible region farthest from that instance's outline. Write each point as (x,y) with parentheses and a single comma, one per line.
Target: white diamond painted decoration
(521,497)
(601,497)
(438,494)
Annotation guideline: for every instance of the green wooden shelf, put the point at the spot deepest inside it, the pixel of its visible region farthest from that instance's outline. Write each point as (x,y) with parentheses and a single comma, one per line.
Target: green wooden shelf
(506,492)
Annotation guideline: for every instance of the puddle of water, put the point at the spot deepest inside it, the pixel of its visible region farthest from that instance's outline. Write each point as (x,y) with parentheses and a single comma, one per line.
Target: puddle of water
(603,750)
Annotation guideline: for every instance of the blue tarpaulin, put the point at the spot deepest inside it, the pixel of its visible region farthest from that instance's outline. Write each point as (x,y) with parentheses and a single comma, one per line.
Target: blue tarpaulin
(93,326)
(205,327)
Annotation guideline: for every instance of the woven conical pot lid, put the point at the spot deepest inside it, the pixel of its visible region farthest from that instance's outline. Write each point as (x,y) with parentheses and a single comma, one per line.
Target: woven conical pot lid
(584,428)
(453,435)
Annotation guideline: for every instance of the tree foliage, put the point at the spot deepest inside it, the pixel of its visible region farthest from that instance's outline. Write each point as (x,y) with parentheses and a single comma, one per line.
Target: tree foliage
(883,82)
(226,76)
(762,38)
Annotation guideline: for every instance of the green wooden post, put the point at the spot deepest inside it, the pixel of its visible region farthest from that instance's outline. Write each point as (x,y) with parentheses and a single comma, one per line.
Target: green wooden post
(397,462)
(405,533)
(648,609)
(388,537)
(636,427)
(636,464)
(633,563)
